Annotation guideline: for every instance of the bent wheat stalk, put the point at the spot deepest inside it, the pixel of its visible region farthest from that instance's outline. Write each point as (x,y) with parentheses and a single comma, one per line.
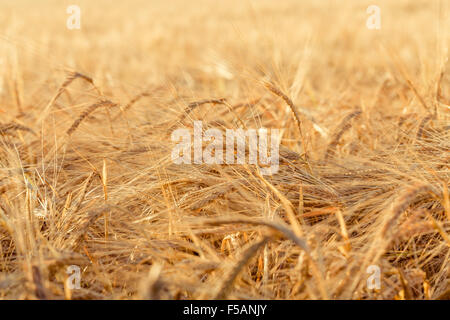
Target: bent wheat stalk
(289,234)
(12,126)
(421,130)
(192,106)
(246,255)
(323,132)
(131,103)
(87,112)
(70,78)
(344,126)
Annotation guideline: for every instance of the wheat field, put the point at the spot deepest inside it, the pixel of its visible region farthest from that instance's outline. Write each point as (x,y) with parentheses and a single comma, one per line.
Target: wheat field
(87,179)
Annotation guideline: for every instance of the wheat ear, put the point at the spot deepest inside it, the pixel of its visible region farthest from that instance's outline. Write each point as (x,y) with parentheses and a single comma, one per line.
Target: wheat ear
(12,126)
(246,255)
(87,112)
(70,78)
(343,127)
(289,234)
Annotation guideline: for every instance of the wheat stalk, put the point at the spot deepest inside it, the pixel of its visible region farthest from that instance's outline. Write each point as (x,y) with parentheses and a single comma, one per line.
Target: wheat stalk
(87,112)
(12,126)
(343,127)
(69,79)
(246,255)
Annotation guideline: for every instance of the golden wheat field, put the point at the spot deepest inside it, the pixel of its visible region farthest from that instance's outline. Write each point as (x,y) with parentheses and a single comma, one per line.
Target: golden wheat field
(87,179)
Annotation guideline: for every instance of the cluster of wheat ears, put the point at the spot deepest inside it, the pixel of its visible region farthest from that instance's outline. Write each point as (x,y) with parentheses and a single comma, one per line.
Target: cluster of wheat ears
(86,176)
